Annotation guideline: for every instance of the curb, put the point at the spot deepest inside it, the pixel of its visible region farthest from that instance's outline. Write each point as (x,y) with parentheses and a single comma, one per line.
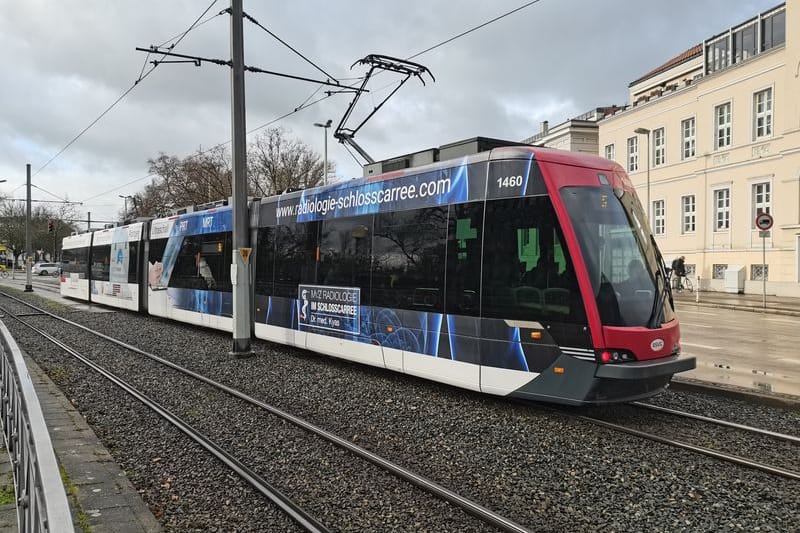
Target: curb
(782,401)
(748,308)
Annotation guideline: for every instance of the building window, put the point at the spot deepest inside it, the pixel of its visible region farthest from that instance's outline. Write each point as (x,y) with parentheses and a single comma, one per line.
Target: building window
(762,114)
(687,133)
(633,154)
(722,209)
(690,270)
(759,272)
(723,121)
(773,30)
(718,271)
(659,217)
(659,148)
(744,43)
(688,213)
(761,201)
(717,54)
(610,152)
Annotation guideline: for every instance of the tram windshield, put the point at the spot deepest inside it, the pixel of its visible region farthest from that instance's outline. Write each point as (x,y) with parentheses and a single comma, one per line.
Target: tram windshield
(621,260)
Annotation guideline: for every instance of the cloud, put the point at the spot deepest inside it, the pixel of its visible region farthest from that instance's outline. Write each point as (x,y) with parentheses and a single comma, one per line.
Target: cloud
(67,61)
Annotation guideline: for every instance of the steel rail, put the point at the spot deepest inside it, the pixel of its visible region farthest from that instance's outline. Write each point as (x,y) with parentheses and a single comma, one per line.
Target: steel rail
(422,482)
(790,474)
(298,514)
(781,436)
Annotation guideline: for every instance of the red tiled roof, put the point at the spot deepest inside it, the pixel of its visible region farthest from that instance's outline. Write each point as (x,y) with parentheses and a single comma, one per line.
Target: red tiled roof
(691,53)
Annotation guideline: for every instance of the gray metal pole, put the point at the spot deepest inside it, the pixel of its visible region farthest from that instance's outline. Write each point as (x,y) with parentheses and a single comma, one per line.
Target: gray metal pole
(763,268)
(240,274)
(89,221)
(28,262)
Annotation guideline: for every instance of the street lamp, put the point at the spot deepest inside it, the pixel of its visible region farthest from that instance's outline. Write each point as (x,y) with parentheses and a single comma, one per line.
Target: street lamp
(125,209)
(325,160)
(645,131)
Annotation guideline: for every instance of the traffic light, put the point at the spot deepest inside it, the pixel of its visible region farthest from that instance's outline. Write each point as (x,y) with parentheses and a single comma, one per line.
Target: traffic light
(50,225)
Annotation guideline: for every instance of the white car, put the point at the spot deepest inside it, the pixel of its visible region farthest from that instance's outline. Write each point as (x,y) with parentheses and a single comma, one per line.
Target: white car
(46,269)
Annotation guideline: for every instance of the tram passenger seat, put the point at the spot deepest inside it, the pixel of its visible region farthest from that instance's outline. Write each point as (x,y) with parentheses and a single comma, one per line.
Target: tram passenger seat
(527,296)
(500,296)
(425,297)
(557,301)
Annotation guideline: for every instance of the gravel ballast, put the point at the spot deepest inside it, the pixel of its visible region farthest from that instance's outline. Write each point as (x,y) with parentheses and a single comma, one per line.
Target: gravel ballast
(545,470)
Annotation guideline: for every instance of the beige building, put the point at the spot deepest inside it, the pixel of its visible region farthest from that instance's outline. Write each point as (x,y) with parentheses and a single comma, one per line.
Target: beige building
(712,137)
(577,134)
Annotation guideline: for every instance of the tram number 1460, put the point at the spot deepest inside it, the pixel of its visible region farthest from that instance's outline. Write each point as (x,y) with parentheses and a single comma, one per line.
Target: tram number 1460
(509,181)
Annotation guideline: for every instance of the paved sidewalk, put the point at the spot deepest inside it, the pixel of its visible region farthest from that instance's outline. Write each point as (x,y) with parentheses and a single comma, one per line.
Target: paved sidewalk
(779,305)
(102,499)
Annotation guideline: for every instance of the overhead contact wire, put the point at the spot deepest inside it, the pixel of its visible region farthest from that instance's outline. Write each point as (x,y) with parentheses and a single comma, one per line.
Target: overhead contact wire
(287,45)
(122,96)
(462,34)
(301,107)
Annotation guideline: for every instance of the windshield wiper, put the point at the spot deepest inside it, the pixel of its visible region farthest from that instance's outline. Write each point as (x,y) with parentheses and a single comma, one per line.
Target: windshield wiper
(663,266)
(658,302)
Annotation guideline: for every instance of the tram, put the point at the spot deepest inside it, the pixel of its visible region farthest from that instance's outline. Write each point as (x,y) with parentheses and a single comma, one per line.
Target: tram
(523,272)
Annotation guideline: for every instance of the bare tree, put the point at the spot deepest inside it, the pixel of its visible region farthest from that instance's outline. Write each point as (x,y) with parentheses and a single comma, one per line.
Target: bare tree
(276,163)
(12,227)
(197,179)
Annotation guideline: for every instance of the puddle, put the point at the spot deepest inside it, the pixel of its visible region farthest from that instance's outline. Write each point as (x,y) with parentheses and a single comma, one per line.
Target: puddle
(726,373)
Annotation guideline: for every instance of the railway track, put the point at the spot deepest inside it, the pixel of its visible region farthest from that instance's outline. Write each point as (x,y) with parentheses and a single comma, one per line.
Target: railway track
(725,423)
(661,428)
(517,458)
(301,516)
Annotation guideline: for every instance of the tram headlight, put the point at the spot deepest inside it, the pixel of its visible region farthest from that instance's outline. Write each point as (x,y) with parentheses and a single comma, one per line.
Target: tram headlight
(611,356)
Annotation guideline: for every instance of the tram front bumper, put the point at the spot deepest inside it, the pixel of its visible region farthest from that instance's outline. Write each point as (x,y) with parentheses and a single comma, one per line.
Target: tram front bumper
(646,369)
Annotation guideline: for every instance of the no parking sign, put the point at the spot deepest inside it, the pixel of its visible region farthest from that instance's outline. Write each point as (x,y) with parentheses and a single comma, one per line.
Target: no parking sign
(764,221)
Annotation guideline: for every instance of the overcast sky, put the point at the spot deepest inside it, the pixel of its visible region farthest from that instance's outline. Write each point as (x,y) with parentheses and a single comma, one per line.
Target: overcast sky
(65,61)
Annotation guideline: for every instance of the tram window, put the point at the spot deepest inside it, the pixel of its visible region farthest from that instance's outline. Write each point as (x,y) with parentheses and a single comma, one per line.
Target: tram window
(203,263)
(74,260)
(265,261)
(156,250)
(409,259)
(133,261)
(100,262)
(527,271)
(464,259)
(345,249)
(122,266)
(155,260)
(295,257)
(131,254)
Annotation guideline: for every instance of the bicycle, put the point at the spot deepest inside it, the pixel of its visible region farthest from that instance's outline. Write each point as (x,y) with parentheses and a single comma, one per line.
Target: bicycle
(3,273)
(681,282)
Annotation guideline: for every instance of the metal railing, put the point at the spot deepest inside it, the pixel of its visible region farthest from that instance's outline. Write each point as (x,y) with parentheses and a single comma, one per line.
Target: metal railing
(41,499)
